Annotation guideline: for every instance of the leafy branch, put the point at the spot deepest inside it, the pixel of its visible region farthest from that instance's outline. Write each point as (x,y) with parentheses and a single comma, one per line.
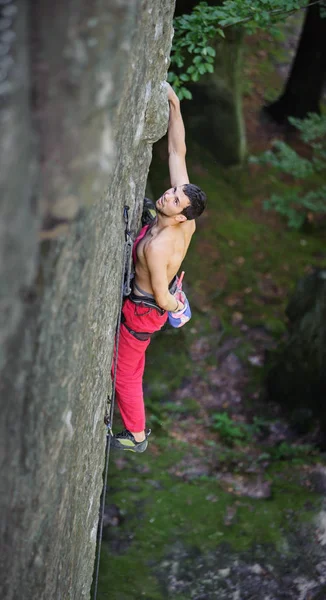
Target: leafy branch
(293,205)
(193,36)
(192,50)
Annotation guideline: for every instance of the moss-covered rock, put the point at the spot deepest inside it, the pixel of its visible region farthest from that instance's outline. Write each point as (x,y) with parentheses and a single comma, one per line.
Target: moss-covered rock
(297,379)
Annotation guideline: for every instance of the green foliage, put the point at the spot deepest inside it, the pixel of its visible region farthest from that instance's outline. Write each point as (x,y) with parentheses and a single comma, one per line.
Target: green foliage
(294,453)
(254,14)
(295,208)
(196,32)
(295,205)
(230,432)
(236,433)
(258,425)
(285,451)
(193,36)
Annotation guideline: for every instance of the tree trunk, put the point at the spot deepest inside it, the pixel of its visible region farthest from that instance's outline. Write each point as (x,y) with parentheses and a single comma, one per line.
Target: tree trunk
(304,86)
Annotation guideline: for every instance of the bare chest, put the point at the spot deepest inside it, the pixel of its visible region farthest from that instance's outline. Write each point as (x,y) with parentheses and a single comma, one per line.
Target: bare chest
(175,247)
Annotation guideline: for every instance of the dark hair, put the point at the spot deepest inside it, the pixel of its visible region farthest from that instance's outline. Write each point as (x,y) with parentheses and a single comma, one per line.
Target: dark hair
(197,201)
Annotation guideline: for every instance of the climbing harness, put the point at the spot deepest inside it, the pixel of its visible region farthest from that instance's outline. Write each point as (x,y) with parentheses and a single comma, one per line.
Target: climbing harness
(149,300)
(142,336)
(125,291)
(146,301)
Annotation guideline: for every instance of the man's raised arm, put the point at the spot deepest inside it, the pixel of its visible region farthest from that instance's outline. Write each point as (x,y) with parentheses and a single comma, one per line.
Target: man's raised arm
(176,142)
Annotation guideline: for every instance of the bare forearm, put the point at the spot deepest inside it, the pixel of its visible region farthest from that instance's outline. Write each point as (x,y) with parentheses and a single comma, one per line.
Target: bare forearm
(176,130)
(168,302)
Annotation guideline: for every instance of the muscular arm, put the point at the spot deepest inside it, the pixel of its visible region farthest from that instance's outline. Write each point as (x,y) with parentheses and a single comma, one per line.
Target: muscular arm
(157,262)
(176,142)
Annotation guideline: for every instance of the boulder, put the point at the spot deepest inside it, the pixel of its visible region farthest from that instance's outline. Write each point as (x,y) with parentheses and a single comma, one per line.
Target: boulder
(297,376)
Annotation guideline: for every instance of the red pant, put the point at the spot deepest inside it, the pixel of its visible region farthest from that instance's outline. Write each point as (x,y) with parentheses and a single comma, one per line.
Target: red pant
(131,362)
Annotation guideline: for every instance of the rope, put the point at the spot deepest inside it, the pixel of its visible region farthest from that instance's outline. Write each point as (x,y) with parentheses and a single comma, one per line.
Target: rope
(108,419)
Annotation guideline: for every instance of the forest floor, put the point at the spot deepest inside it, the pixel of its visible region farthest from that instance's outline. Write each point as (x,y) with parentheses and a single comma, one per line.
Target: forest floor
(228,502)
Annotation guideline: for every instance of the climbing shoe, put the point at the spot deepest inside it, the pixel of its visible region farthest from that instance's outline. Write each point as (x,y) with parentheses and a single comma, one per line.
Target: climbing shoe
(126,441)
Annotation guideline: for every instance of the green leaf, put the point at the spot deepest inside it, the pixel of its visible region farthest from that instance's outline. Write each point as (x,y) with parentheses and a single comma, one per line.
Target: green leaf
(210,51)
(202,68)
(187,94)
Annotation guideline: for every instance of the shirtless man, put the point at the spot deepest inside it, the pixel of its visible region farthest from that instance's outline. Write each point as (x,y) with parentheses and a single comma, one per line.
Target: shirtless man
(158,253)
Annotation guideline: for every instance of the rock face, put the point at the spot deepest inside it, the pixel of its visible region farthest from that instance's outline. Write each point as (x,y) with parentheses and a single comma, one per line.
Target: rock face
(82,101)
(297,378)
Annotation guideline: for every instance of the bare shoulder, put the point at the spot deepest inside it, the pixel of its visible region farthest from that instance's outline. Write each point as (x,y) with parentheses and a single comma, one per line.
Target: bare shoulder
(189,228)
(159,246)
(189,225)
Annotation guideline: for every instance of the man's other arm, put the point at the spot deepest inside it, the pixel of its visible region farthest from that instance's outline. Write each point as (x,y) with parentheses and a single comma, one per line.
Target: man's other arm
(176,142)
(156,259)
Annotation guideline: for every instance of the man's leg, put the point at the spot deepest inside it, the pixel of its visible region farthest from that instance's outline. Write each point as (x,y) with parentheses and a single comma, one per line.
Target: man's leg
(130,370)
(129,382)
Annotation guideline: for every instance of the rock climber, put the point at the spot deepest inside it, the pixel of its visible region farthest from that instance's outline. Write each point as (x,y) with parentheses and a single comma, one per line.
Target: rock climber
(158,253)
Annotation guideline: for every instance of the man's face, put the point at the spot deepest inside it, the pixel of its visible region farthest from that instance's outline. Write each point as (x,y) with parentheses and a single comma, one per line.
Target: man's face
(172,202)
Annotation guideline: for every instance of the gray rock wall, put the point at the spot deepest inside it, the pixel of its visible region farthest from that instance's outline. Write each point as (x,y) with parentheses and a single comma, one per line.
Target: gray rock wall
(82,101)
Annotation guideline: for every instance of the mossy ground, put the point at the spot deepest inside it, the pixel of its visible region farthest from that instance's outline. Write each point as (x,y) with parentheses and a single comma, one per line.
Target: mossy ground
(242,261)
(159,510)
